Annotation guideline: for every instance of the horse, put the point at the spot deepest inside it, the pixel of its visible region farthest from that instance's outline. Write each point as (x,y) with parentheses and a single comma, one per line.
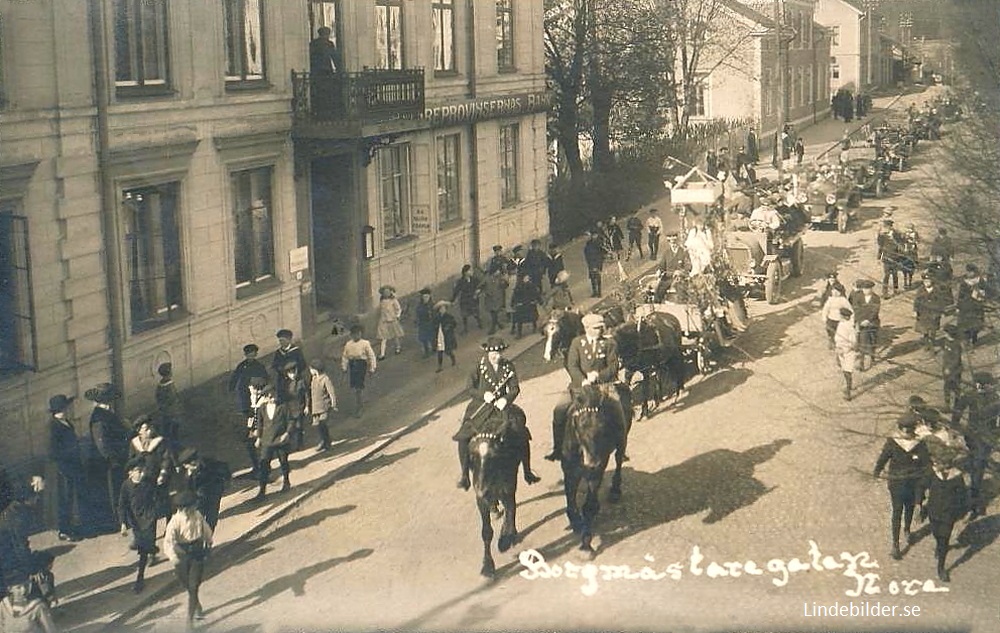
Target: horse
(560,331)
(494,463)
(591,435)
(651,346)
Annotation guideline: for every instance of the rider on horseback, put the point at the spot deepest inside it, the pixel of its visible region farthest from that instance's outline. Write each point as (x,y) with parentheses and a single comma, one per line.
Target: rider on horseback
(592,360)
(493,387)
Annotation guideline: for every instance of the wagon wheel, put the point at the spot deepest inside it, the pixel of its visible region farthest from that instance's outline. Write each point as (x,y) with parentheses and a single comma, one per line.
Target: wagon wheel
(772,282)
(798,253)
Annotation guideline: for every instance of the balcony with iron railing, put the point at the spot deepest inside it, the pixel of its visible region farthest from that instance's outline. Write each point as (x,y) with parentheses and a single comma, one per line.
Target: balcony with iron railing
(357,104)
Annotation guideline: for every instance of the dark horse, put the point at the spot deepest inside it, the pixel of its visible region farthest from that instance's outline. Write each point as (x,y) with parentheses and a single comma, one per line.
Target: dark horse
(592,434)
(560,332)
(494,460)
(652,346)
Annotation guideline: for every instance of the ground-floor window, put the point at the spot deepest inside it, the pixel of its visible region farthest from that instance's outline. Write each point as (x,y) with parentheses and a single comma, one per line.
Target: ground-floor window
(394,191)
(17,331)
(449,205)
(509,164)
(254,237)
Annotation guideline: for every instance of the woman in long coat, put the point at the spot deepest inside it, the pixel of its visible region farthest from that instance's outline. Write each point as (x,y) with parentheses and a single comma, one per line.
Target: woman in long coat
(929,305)
(445,340)
(525,300)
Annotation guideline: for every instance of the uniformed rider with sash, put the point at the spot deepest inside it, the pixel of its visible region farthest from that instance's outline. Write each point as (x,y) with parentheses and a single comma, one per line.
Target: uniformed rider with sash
(493,387)
(592,359)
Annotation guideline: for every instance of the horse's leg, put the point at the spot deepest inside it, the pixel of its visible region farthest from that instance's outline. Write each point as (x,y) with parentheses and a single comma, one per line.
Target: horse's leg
(508,533)
(489,567)
(591,506)
(571,480)
(616,479)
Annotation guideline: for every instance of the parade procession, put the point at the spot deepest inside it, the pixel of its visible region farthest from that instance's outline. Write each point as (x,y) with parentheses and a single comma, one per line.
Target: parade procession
(436,315)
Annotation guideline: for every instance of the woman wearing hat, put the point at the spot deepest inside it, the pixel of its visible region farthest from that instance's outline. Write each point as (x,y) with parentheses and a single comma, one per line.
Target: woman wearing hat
(187,542)
(169,408)
(139,508)
(110,438)
(424,313)
(149,447)
(845,344)
(908,460)
(357,361)
(834,303)
(445,340)
(525,299)
(929,305)
(389,313)
(493,387)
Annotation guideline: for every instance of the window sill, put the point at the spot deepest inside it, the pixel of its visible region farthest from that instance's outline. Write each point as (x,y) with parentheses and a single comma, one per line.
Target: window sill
(450,224)
(507,70)
(151,325)
(446,74)
(258,288)
(396,242)
(143,92)
(253,85)
(510,204)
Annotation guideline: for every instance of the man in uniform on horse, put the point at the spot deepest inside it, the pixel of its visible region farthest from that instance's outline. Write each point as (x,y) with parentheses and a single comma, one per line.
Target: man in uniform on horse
(592,360)
(493,387)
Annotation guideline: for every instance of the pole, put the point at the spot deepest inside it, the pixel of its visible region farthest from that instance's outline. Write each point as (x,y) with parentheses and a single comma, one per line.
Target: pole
(778,17)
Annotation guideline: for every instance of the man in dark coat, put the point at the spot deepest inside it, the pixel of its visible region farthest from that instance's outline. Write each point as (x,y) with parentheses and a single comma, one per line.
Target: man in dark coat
(498,261)
(951,365)
(110,438)
(908,461)
(324,64)
(170,410)
(536,263)
(867,306)
(675,260)
(239,381)
(929,304)
(753,146)
(592,359)
(947,502)
(207,478)
(971,304)
(634,227)
(16,559)
(889,253)
(493,387)
(554,264)
(593,254)
(981,432)
(272,433)
(64,449)
(466,294)
(287,351)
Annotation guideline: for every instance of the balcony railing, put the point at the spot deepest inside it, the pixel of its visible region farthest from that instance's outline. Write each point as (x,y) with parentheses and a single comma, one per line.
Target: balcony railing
(369,96)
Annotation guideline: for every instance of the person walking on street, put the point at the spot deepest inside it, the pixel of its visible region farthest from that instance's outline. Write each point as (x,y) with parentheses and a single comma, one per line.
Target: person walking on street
(248,370)
(498,261)
(867,306)
(653,227)
(712,163)
(425,321)
(294,394)
(322,402)
(357,361)
(593,255)
(753,146)
(947,502)
(971,304)
(555,263)
(207,478)
(389,327)
(287,352)
(634,227)
(981,429)
(169,408)
(23,612)
(158,461)
(560,298)
(951,366)
(800,150)
(536,263)
(445,340)
(908,461)
(187,543)
(273,430)
(908,256)
(110,438)
(831,311)
(616,237)
(495,298)
(845,343)
(64,449)
(889,253)
(929,306)
(525,299)
(139,508)
(466,293)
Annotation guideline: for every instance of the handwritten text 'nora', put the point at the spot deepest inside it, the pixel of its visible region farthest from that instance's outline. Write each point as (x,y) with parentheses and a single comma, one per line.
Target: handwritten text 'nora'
(853,566)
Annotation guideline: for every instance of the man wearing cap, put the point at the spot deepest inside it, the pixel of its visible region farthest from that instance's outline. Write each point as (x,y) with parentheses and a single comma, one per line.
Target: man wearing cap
(498,261)
(239,381)
(889,253)
(495,298)
(675,258)
(592,359)
(971,304)
(929,304)
(493,387)
(536,262)
(908,461)
(64,448)
(867,306)
(593,254)
(653,227)
(466,293)
(206,478)
(169,409)
(555,263)
(633,225)
(425,321)
(294,394)
(947,500)
(951,365)
(287,351)
(273,437)
(981,431)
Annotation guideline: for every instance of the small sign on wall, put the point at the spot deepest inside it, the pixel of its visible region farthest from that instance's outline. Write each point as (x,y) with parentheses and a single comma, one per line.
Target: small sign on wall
(420,219)
(298,259)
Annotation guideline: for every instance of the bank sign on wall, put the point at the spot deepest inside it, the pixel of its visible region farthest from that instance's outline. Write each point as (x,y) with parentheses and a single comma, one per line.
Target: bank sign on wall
(487,108)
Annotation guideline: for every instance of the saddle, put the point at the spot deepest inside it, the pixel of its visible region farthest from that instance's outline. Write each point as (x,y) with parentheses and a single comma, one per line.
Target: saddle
(507,424)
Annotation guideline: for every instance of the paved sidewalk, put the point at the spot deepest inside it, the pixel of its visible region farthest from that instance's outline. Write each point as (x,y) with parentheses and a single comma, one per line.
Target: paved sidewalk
(95,576)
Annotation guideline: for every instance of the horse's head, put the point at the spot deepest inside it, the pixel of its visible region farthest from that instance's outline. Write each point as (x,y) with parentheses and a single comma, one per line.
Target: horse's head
(484,453)
(587,424)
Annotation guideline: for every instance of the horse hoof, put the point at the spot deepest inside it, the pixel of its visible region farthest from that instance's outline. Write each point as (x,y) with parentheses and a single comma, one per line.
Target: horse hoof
(506,542)
(488,571)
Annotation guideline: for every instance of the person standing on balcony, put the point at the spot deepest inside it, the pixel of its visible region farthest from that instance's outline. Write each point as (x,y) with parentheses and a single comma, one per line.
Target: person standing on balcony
(324,64)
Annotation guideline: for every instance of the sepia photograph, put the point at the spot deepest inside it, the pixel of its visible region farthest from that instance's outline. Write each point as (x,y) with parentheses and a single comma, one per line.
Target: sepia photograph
(460,316)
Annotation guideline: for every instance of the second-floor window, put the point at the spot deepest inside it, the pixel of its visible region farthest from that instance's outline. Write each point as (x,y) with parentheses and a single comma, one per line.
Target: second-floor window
(508,164)
(140,44)
(394,191)
(252,209)
(17,331)
(244,33)
(389,34)
(153,255)
(697,105)
(834,36)
(505,34)
(444,35)
(449,207)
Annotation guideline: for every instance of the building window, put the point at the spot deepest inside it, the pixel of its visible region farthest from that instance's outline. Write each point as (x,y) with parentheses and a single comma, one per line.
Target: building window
(324,13)
(244,34)
(505,34)
(153,258)
(253,209)
(389,34)
(835,71)
(508,163)
(765,89)
(449,204)
(834,35)
(140,44)
(394,190)
(17,323)
(444,35)
(696,107)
